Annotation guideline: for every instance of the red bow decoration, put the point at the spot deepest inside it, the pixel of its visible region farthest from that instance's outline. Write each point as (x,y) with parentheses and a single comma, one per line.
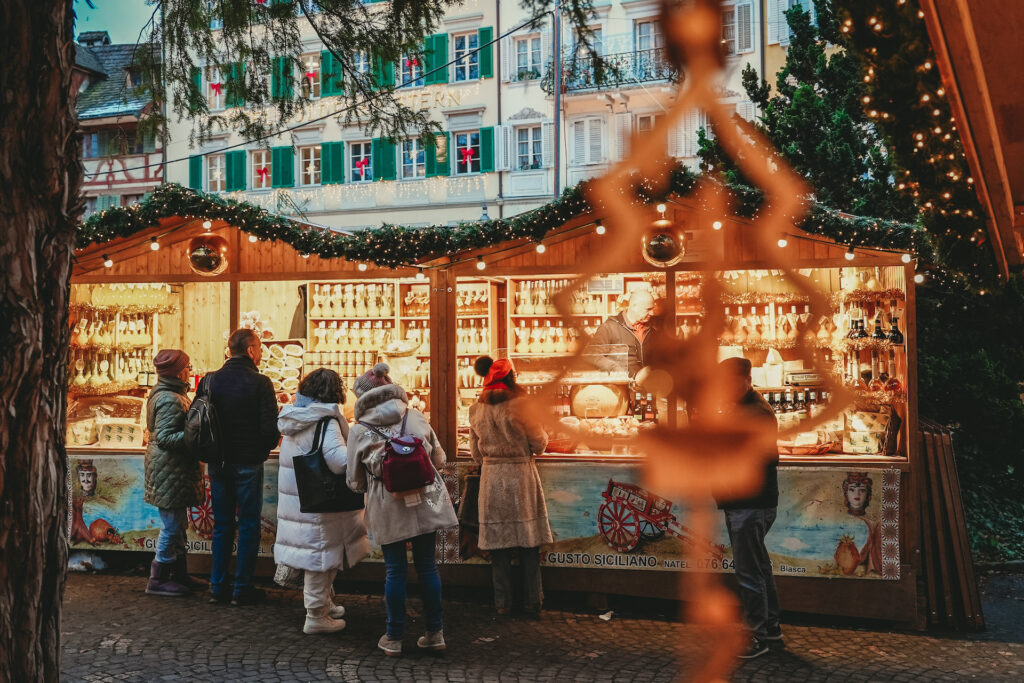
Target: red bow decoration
(467,155)
(362,164)
(411,62)
(216,88)
(263,173)
(311,76)
(261,2)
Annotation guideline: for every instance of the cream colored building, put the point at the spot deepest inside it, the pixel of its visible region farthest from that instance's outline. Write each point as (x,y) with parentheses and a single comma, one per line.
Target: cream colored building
(497,111)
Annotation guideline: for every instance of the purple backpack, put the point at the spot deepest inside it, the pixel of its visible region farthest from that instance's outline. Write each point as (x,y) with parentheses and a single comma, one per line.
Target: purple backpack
(406,465)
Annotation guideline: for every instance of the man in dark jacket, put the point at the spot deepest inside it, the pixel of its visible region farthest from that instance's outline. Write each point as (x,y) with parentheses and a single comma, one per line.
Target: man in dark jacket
(632,327)
(749,517)
(247,412)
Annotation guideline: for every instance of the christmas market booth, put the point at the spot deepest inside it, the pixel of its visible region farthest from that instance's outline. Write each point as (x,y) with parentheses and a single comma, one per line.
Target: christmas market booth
(183,269)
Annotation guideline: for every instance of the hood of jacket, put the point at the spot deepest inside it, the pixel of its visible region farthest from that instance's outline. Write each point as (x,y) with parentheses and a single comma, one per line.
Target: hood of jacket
(172,384)
(294,419)
(382,406)
(496,396)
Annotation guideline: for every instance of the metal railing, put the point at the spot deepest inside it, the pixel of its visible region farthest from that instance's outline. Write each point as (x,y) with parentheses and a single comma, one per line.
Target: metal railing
(620,70)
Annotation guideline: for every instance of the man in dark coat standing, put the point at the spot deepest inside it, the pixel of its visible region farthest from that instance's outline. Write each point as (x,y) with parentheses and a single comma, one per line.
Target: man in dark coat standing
(749,518)
(247,412)
(632,327)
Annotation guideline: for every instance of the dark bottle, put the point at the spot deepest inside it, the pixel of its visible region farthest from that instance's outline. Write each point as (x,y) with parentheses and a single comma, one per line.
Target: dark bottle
(862,329)
(895,336)
(651,413)
(777,404)
(638,408)
(879,333)
(812,398)
(788,405)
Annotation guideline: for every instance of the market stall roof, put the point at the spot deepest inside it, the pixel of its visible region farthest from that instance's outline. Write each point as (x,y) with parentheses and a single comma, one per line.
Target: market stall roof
(176,213)
(977,47)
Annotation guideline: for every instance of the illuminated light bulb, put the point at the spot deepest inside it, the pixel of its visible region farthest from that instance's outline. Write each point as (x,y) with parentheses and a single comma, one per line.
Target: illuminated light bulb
(902,185)
(717,225)
(480,265)
(849,254)
(920,14)
(866,99)
(925,97)
(305,256)
(878,26)
(600,229)
(970,180)
(253,238)
(945,195)
(928,65)
(107,263)
(541,248)
(783,242)
(919,136)
(420,275)
(154,245)
(919,278)
(872,113)
(906,258)
(661,208)
(207,225)
(872,20)
(940,92)
(362,267)
(935,112)
(937,130)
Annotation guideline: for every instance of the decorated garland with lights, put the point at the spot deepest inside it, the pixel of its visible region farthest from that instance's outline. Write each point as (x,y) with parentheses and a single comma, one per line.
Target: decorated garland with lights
(394,246)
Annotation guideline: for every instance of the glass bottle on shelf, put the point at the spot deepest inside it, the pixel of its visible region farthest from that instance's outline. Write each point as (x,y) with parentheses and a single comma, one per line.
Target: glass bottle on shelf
(348,298)
(651,411)
(878,332)
(777,404)
(527,307)
(893,383)
(522,338)
(535,338)
(387,301)
(895,336)
(317,309)
(548,343)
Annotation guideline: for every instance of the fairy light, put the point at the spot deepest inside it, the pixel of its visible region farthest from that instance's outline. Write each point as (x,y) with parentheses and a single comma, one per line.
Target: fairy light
(919,278)
(849,254)
(362,267)
(305,256)
(153,244)
(480,265)
(420,275)
(107,263)
(253,238)
(541,248)
(661,208)
(717,225)
(906,258)
(600,229)
(782,242)
(207,225)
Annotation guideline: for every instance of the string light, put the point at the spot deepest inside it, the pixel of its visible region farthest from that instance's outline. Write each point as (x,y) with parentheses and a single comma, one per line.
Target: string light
(305,256)
(782,242)
(153,244)
(849,254)
(600,229)
(480,265)
(253,238)
(362,267)
(919,278)
(717,225)
(541,248)
(107,263)
(207,225)
(906,258)
(420,275)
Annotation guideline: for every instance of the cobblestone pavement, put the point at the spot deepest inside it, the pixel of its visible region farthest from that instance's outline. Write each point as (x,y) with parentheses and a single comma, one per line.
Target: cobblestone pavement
(114,632)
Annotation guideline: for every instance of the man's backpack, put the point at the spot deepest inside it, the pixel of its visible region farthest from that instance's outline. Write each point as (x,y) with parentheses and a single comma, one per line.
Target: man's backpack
(202,429)
(406,466)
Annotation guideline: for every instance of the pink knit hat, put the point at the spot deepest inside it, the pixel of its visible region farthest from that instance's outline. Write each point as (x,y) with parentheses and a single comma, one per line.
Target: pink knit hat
(375,377)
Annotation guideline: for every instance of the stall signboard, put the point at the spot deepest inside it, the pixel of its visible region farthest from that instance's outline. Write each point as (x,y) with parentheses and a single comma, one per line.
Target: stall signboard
(831,522)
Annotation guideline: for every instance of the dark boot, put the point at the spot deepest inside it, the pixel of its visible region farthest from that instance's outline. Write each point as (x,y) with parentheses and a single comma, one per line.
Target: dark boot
(179,574)
(160,582)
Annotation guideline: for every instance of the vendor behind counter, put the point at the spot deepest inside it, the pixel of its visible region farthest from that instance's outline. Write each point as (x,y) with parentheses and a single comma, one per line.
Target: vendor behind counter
(635,327)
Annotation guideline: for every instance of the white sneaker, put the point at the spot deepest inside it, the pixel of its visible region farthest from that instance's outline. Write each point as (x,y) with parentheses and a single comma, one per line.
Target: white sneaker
(336,612)
(322,624)
(434,640)
(392,648)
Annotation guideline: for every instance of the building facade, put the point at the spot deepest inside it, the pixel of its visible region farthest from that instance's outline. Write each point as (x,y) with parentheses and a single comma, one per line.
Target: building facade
(495,106)
(121,162)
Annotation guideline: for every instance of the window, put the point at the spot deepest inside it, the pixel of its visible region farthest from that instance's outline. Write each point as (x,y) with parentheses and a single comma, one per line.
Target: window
(361,62)
(778,25)
(90,145)
(648,35)
(467,153)
(587,141)
(261,169)
(412,71)
(309,165)
(216,22)
(738,28)
(130,199)
(414,160)
(90,206)
(216,88)
(467,64)
(107,201)
(311,76)
(360,162)
(646,122)
(596,39)
(216,178)
(135,77)
(528,59)
(529,148)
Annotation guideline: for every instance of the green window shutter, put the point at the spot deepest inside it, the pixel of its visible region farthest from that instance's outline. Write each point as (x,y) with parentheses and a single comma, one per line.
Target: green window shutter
(236,86)
(235,162)
(195,172)
(484,36)
(382,73)
(281,79)
(438,163)
(330,75)
(436,55)
(148,141)
(384,165)
(282,167)
(487,149)
(332,163)
(107,201)
(197,84)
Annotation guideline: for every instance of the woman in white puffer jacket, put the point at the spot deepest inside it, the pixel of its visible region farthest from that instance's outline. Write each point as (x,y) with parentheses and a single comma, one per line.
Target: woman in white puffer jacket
(320,544)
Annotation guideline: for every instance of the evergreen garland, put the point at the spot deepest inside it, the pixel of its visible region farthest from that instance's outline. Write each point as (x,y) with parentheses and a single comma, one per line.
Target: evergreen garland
(393,246)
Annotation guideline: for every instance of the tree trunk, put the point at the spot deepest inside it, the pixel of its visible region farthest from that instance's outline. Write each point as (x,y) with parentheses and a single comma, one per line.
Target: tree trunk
(40,178)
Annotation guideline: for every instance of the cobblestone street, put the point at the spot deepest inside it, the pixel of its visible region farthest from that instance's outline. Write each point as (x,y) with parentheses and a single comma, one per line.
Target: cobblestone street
(114,632)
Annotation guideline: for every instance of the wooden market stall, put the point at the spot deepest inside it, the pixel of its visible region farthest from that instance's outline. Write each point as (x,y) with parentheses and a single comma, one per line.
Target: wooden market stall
(848,538)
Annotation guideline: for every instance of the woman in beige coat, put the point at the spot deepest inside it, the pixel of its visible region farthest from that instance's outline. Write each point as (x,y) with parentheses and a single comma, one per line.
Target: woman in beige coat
(513,514)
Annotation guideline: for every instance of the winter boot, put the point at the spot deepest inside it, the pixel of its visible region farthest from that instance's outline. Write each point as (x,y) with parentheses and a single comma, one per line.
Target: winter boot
(320,621)
(160,582)
(336,611)
(179,574)
(433,640)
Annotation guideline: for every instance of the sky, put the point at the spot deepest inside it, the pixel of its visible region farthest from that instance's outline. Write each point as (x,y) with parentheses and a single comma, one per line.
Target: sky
(122,19)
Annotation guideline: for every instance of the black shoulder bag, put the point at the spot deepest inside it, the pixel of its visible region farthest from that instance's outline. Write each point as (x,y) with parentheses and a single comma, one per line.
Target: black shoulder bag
(320,489)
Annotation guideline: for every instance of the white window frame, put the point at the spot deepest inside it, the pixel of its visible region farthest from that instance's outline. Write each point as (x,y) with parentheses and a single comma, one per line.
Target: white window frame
(361,62)
(212,74)
(653,34)
(407,71)
(534,141)
(310,154)
(365,151)
(216,164)
(216,23)
(646,122)
(589,149)
(311,86)
(473,167)
(534,54)
(465,57)
(778,28)
(416,169)
(261,158)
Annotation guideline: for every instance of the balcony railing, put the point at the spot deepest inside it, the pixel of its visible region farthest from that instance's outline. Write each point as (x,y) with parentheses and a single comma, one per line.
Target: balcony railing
(620,70)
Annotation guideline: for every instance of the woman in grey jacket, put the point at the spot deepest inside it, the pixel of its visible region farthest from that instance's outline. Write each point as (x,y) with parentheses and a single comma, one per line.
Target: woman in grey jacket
(396,519)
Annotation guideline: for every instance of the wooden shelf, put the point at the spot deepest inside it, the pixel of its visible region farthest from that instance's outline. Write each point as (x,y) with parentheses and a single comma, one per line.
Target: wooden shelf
(556,315)
(354,317)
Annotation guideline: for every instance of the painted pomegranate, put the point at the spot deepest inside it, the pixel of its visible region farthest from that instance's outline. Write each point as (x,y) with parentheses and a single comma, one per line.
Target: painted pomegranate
(103,532)
(847,556)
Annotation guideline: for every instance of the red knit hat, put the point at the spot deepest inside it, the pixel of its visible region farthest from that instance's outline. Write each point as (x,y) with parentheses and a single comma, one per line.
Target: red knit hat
(499,370)
(170,362)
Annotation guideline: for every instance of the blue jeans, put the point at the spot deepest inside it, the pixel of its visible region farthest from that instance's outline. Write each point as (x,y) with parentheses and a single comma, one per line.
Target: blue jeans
(396,565)
(753,566)
(170,544)
(236,493)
